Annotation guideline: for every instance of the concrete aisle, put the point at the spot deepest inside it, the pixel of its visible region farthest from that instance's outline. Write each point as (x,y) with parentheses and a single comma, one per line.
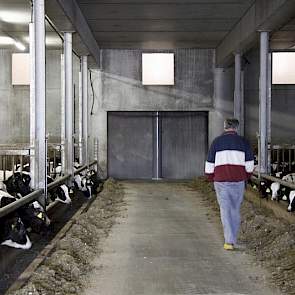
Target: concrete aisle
(167,245)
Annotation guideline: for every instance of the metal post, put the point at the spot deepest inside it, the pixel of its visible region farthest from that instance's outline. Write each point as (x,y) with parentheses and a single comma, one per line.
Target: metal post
(68,70)
(85,107)
(80,107)
(242,118)
(263,97)
(157,146)
(63,115)
(237,91)
(269,102)
(32,106)
(40,114)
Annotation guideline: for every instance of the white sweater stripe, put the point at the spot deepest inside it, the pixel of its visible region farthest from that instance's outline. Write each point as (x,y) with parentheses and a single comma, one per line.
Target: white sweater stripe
(229,157)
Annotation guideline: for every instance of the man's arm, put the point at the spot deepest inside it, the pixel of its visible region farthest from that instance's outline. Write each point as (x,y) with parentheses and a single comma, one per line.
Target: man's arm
(249,158)
(210,163)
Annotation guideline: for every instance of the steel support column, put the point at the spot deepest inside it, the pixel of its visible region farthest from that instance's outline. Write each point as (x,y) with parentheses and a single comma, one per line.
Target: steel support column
(157,146)
(40,93)
(63,114)
(269,102)
(85,108)
(80,116)
(32,106)
(263,98)
(68,74)
(238,91)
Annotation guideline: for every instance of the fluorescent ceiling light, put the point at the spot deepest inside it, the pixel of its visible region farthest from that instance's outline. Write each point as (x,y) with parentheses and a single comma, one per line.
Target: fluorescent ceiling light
(158,68)
(5,40)
(49,40)
(53,41)
(283,68)
(19,45)
(15,17)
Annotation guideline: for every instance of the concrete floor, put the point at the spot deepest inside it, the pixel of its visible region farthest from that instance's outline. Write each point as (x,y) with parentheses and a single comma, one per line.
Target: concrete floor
(166,245)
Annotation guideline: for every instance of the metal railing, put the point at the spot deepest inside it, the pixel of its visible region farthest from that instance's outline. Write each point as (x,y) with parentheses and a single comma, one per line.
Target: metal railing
(38,193)
(283,153)
(274,179)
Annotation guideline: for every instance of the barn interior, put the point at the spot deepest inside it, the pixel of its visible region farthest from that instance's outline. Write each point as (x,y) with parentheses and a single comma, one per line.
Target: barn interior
(72,86)
(217,66)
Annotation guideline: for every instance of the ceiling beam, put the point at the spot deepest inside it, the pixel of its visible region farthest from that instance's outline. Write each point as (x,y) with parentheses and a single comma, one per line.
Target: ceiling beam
(72,12)
(267,15)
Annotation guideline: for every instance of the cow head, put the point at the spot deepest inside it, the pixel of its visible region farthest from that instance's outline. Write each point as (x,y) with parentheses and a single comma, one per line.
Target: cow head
(19,183)
(34,218)
(62,194)
(15,234)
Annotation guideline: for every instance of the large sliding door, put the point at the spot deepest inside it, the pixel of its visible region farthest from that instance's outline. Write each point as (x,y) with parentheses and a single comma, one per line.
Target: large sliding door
(146,145)
(130,145)
(184,144)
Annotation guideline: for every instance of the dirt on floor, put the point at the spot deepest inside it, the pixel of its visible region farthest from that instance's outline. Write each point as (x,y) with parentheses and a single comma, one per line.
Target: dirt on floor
(269,239)
(67,269)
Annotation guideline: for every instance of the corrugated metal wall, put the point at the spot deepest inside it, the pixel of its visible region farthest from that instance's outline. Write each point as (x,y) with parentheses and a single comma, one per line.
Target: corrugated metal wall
(184,144)
(131,144)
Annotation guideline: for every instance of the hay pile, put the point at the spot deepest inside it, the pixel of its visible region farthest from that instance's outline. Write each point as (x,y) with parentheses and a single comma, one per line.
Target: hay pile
(271,240)
(65,271)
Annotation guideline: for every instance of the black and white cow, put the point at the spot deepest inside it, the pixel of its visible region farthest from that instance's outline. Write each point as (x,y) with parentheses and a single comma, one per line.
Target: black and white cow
(60,193)
(18,183)
(12,230)
(289,177)
(264,189)
(83,184)
(25,168)
(33,215)
(96,181)
(291,206)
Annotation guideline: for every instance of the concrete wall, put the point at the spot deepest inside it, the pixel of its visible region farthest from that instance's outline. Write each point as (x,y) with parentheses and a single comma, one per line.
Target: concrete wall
(223,101)
(15,100)
(118,87)
(283,107)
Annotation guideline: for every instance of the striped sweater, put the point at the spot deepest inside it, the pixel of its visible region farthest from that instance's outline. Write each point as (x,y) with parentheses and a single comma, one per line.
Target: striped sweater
(230,158)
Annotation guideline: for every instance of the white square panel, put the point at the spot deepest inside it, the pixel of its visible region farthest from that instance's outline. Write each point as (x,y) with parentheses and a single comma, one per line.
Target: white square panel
(20,69)
(283,68)
(158,68)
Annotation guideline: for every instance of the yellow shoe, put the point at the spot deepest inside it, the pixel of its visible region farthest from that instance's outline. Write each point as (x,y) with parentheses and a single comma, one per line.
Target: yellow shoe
(227,246)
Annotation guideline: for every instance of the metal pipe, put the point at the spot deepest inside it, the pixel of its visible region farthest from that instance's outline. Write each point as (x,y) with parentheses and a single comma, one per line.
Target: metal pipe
(242,118)
(85,167)
(85,107)
(57,182)
(32,105)
(80,110)
(68,70)
(263,96)
(63,116)
(40,92)
(269,102)
(157,145)
(237,91)
(21,202)
(274,179)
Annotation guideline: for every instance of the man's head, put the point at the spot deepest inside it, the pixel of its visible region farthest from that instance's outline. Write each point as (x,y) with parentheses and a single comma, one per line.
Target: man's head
(231,124)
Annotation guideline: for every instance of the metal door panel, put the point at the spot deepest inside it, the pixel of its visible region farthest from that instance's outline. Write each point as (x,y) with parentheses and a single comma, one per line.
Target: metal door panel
(130,145)
(184,144)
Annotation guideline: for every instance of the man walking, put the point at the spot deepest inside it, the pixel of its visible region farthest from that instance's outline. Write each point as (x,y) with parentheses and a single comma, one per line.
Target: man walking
(230,162)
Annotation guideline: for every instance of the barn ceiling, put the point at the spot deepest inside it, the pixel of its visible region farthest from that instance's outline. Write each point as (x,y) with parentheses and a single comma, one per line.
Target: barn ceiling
(146,24)
(162,23)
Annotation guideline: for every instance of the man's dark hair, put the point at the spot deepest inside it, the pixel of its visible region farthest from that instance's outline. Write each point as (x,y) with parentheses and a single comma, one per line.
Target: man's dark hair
(231,123)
